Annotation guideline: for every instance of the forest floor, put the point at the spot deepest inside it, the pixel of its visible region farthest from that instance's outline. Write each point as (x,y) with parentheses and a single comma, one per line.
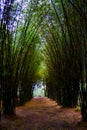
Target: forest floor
(43,114)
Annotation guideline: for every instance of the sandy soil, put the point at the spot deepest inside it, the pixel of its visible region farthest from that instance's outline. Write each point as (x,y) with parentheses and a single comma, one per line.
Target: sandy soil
(43,114)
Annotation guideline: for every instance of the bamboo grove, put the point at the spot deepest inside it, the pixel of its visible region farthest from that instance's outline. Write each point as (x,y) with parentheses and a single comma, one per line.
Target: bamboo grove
(53,32)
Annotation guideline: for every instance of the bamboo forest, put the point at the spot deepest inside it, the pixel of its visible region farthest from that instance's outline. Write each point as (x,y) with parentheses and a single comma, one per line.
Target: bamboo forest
(43,64)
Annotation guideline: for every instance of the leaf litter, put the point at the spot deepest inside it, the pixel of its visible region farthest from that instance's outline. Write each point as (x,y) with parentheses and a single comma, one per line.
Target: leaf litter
(43,114)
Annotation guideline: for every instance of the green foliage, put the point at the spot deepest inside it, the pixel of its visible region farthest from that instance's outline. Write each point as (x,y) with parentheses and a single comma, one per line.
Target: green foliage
(48,41)
(64,33)
(19,44)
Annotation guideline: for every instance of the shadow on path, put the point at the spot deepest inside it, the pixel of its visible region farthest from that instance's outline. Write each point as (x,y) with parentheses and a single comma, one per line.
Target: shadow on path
(43,114)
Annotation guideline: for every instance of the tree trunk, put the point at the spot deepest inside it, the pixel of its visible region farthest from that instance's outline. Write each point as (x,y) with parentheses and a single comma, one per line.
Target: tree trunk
(83,87)
(8,101)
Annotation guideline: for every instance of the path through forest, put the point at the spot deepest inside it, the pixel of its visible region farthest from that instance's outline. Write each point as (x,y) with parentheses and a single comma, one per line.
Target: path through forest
(43,114)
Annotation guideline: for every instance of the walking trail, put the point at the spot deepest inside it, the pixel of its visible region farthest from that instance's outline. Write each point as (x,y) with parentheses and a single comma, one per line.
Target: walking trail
(43,114)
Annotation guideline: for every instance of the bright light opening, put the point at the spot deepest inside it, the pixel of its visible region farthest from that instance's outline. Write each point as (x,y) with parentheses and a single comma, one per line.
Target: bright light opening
(39,89)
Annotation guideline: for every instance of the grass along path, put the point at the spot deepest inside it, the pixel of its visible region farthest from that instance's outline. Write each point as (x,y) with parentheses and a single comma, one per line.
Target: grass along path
(43,114)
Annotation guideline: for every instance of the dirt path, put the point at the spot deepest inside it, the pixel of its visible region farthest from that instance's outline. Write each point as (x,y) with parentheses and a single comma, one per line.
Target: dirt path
(43,114)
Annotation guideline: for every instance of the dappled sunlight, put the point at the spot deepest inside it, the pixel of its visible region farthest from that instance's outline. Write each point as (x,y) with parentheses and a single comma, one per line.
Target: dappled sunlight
(43,114)
(40,102)
(43,64)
